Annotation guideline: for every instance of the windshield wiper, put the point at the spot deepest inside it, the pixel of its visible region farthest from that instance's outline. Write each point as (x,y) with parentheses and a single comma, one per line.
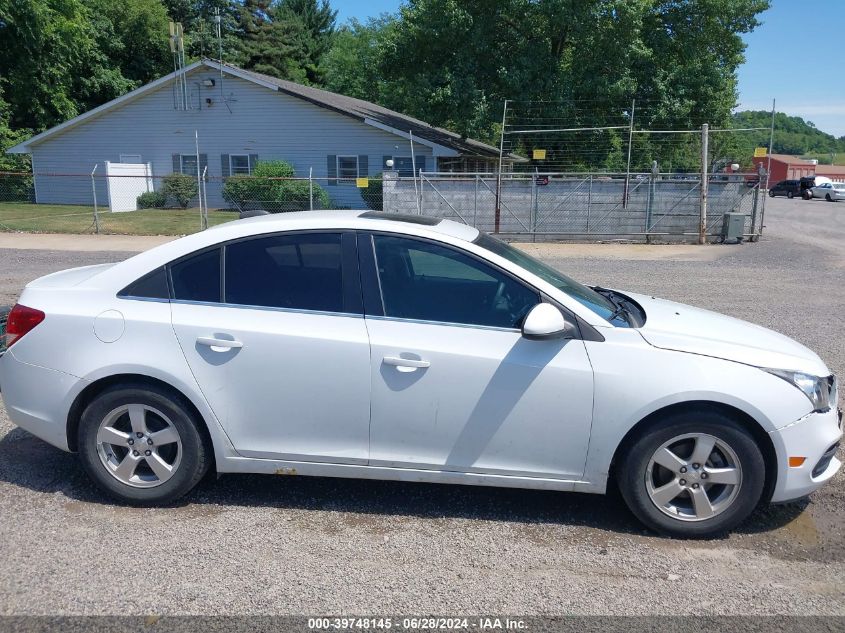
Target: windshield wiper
(620,307)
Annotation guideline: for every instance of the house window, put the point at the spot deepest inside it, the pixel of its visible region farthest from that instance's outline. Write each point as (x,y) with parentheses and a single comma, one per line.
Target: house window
(130,158)
(347,168)
(404,165)
(239,164)
(188,164)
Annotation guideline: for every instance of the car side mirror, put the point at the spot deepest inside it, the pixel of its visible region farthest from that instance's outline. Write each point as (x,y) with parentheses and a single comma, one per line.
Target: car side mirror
(545,321)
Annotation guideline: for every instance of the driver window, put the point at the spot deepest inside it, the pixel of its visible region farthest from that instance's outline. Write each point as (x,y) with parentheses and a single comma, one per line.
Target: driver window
(429,282)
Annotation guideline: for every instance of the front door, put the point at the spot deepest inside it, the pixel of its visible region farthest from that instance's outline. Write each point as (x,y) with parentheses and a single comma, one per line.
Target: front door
(455,385)
(279,348)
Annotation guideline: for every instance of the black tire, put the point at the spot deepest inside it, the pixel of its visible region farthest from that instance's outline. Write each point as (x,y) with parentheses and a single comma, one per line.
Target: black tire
(790,195)
(828,198)
(771,193)
(633,466)
(195,452)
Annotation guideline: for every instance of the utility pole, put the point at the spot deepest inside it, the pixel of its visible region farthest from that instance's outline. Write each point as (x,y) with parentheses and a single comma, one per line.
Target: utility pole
(702,224)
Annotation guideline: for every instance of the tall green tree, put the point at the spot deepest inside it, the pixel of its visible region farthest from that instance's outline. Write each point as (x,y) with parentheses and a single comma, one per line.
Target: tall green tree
(319,20)
(133,34)
(352,64)
(453,63)
(53,67)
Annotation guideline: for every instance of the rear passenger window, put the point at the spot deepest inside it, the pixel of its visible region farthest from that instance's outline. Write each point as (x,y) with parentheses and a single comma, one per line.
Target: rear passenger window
(300,271)
(197,278)
(151,286)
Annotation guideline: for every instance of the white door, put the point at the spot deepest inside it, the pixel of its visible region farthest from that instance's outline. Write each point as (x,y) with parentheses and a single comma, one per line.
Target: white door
(455,385)
(284,359)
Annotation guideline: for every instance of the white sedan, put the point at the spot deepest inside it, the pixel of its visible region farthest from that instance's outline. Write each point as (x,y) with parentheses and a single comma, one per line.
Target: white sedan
(830,191)
(380,346)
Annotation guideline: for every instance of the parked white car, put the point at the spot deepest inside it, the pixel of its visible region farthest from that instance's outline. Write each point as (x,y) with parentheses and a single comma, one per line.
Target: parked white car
(830,191)
(379,346)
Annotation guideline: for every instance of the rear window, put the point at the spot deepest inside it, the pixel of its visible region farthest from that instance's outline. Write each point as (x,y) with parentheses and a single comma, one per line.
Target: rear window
(197,278)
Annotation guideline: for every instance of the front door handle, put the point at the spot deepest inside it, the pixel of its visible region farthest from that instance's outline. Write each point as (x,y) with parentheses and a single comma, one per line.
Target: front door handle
(218,344)
(406,364)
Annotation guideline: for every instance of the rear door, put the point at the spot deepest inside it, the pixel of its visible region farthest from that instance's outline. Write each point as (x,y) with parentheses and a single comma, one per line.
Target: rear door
(273,331)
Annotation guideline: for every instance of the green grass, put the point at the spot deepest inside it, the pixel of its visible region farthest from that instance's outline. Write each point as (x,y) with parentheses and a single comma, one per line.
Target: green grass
(61,218)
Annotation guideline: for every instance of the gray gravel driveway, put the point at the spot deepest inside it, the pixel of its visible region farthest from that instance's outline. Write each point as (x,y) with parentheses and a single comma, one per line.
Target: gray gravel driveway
(249,544)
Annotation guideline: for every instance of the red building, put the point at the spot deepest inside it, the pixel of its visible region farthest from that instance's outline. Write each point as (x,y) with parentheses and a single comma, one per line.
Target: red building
(786,167)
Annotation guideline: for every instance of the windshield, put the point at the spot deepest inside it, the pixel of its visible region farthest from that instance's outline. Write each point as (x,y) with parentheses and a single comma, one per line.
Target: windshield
(581,293)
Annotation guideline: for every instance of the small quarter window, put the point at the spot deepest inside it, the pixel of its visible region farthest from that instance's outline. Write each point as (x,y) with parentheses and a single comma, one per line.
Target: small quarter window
(151,286)
(197,278)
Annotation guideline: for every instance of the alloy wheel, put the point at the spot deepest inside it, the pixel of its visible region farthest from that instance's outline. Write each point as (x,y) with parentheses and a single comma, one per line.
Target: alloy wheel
(139,446)
(693,477)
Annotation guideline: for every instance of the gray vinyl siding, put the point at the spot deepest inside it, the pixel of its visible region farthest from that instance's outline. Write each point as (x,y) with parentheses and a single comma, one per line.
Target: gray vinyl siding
(262,123)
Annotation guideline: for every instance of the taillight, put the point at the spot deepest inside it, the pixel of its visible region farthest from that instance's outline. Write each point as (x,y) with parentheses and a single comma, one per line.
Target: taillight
(20,321)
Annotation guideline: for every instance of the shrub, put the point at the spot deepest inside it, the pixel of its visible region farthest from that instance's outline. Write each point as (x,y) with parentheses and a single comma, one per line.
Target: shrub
(152,200)
(373,195)
(267,188)
(181,188)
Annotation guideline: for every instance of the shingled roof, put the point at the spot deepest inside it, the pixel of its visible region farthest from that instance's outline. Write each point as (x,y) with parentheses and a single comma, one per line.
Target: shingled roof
(364,110)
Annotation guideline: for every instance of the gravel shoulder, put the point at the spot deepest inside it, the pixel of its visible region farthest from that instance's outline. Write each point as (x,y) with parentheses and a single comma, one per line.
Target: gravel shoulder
(247,544)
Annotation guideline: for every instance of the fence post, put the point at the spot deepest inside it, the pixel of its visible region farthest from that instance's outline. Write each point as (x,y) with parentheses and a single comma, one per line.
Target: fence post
(94,191)
(589,202)
(310,189)
(204,200)
(498,210)
(702,223)
(475,204)
(628,167)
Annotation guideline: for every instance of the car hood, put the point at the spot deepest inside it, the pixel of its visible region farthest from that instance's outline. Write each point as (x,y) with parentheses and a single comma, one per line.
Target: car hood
(683,328)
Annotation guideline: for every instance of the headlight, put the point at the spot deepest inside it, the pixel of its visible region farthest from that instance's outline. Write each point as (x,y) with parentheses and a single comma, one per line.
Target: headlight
(819,390)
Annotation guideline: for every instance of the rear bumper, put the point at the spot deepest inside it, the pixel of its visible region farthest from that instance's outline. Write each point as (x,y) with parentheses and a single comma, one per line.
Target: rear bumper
(37,399)
(812,437)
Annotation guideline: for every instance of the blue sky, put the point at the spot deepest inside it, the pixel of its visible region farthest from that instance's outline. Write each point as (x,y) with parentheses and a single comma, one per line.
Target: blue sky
(796,56)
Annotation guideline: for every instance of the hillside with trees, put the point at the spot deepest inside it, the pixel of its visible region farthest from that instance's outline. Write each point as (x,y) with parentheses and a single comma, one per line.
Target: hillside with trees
(793,135)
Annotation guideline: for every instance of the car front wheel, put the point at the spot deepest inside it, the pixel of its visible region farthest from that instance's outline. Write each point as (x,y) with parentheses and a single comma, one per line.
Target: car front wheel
(790,195)
(141,445)
(771,193)
(692,474)
(828,198)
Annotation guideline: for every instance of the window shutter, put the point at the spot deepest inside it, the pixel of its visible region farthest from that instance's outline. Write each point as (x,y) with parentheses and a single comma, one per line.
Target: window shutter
(177,164)
(203,164)
(420,161)
(331,168)
(384,160)
(224,165)
(253,158)
(363,165)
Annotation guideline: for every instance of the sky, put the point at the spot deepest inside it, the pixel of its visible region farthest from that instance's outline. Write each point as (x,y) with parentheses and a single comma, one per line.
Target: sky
(796,56)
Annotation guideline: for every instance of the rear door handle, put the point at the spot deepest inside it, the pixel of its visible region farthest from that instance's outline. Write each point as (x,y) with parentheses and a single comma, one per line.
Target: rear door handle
(406,364)
(218,344)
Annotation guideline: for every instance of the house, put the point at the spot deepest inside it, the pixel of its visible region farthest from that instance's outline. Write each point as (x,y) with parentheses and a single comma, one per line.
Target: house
(226,118)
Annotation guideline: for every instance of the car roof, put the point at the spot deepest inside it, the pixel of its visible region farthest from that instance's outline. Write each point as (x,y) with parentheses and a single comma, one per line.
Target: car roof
(348,219)
(418,225)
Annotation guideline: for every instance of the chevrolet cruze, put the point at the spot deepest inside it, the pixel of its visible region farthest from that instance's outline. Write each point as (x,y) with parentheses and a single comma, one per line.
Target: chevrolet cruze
(381,346)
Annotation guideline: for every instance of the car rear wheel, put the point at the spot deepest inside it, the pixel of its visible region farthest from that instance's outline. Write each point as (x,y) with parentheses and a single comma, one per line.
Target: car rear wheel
(141,445)
(771,193)
(692,474)
(790,195)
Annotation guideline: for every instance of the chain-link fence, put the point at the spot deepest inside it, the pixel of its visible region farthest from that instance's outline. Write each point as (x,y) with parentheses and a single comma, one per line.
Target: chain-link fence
(549,206)
(542,206)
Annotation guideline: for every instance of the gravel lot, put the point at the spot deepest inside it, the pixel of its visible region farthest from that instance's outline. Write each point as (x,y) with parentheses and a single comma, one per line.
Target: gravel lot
(249,544)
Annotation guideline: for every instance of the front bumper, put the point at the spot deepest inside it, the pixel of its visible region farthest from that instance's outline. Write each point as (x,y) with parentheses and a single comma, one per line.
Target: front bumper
(811,437)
